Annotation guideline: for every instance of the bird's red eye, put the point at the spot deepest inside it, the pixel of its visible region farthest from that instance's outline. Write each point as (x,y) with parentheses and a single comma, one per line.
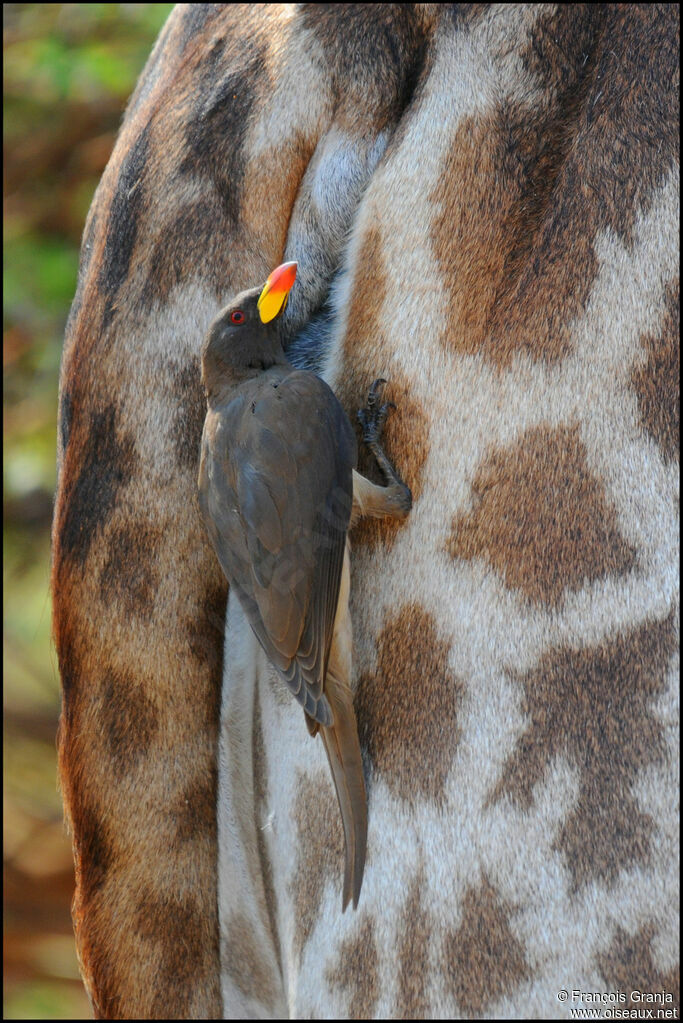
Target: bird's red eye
(237,316)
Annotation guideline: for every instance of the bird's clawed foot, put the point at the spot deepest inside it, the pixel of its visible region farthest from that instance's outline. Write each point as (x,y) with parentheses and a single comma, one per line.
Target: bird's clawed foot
(372,419)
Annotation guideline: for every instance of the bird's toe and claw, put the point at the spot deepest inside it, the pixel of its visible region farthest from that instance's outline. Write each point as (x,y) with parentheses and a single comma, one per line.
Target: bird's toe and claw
(372,419)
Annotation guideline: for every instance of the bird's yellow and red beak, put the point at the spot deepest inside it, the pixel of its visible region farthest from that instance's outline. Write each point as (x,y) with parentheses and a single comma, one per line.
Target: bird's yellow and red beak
(273,298)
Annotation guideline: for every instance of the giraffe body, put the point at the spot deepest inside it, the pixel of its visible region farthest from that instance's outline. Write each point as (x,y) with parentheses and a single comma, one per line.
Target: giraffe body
(483,202)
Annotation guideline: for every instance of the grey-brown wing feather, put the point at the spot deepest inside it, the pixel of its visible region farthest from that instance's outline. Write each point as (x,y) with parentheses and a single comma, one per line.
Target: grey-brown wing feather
(276,492)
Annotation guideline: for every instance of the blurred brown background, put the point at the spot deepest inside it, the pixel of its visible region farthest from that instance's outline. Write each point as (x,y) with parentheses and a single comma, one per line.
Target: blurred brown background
(68,71)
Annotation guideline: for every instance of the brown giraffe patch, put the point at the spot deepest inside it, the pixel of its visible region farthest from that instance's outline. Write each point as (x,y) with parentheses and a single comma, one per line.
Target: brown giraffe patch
(320,851)
(593,706)
(563,38)
(541,519)
(480,235)
(356,971)
(93,844)
(496,187)
(633,111)
(628,966)
(374,60)
(130,721)
(216,128)
(71,663)
(190,405)
(130,574)
(194,237)
(205,631)
(406,434)
(194,806)
(657,383)
(483,960)
(523,193)
(180,960)
(106,461)
(408,709)
(243,962)
(415,931)
(126,212)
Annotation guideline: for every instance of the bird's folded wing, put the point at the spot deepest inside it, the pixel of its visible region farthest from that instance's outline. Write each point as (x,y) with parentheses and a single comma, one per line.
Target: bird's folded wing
(288,474)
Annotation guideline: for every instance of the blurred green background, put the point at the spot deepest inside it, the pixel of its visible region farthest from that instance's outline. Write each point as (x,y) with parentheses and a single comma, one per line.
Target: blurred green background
(68,71)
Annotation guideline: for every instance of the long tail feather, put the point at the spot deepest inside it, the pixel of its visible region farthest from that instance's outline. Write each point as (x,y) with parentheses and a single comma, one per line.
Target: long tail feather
(343,752)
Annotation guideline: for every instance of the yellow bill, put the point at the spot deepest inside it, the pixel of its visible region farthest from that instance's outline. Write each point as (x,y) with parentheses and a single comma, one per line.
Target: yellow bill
(273,298)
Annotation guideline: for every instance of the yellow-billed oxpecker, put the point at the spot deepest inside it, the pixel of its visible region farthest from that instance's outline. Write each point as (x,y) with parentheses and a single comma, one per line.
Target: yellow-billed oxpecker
(279,491)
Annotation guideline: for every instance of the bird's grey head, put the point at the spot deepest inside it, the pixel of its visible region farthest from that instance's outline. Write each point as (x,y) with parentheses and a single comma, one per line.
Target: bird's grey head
(244,339)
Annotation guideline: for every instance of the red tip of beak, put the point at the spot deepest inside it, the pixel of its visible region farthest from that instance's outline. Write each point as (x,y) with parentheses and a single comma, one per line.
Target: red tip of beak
(282,277)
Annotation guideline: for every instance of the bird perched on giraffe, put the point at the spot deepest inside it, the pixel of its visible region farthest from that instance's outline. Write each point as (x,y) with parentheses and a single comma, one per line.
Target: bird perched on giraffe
(279,491)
